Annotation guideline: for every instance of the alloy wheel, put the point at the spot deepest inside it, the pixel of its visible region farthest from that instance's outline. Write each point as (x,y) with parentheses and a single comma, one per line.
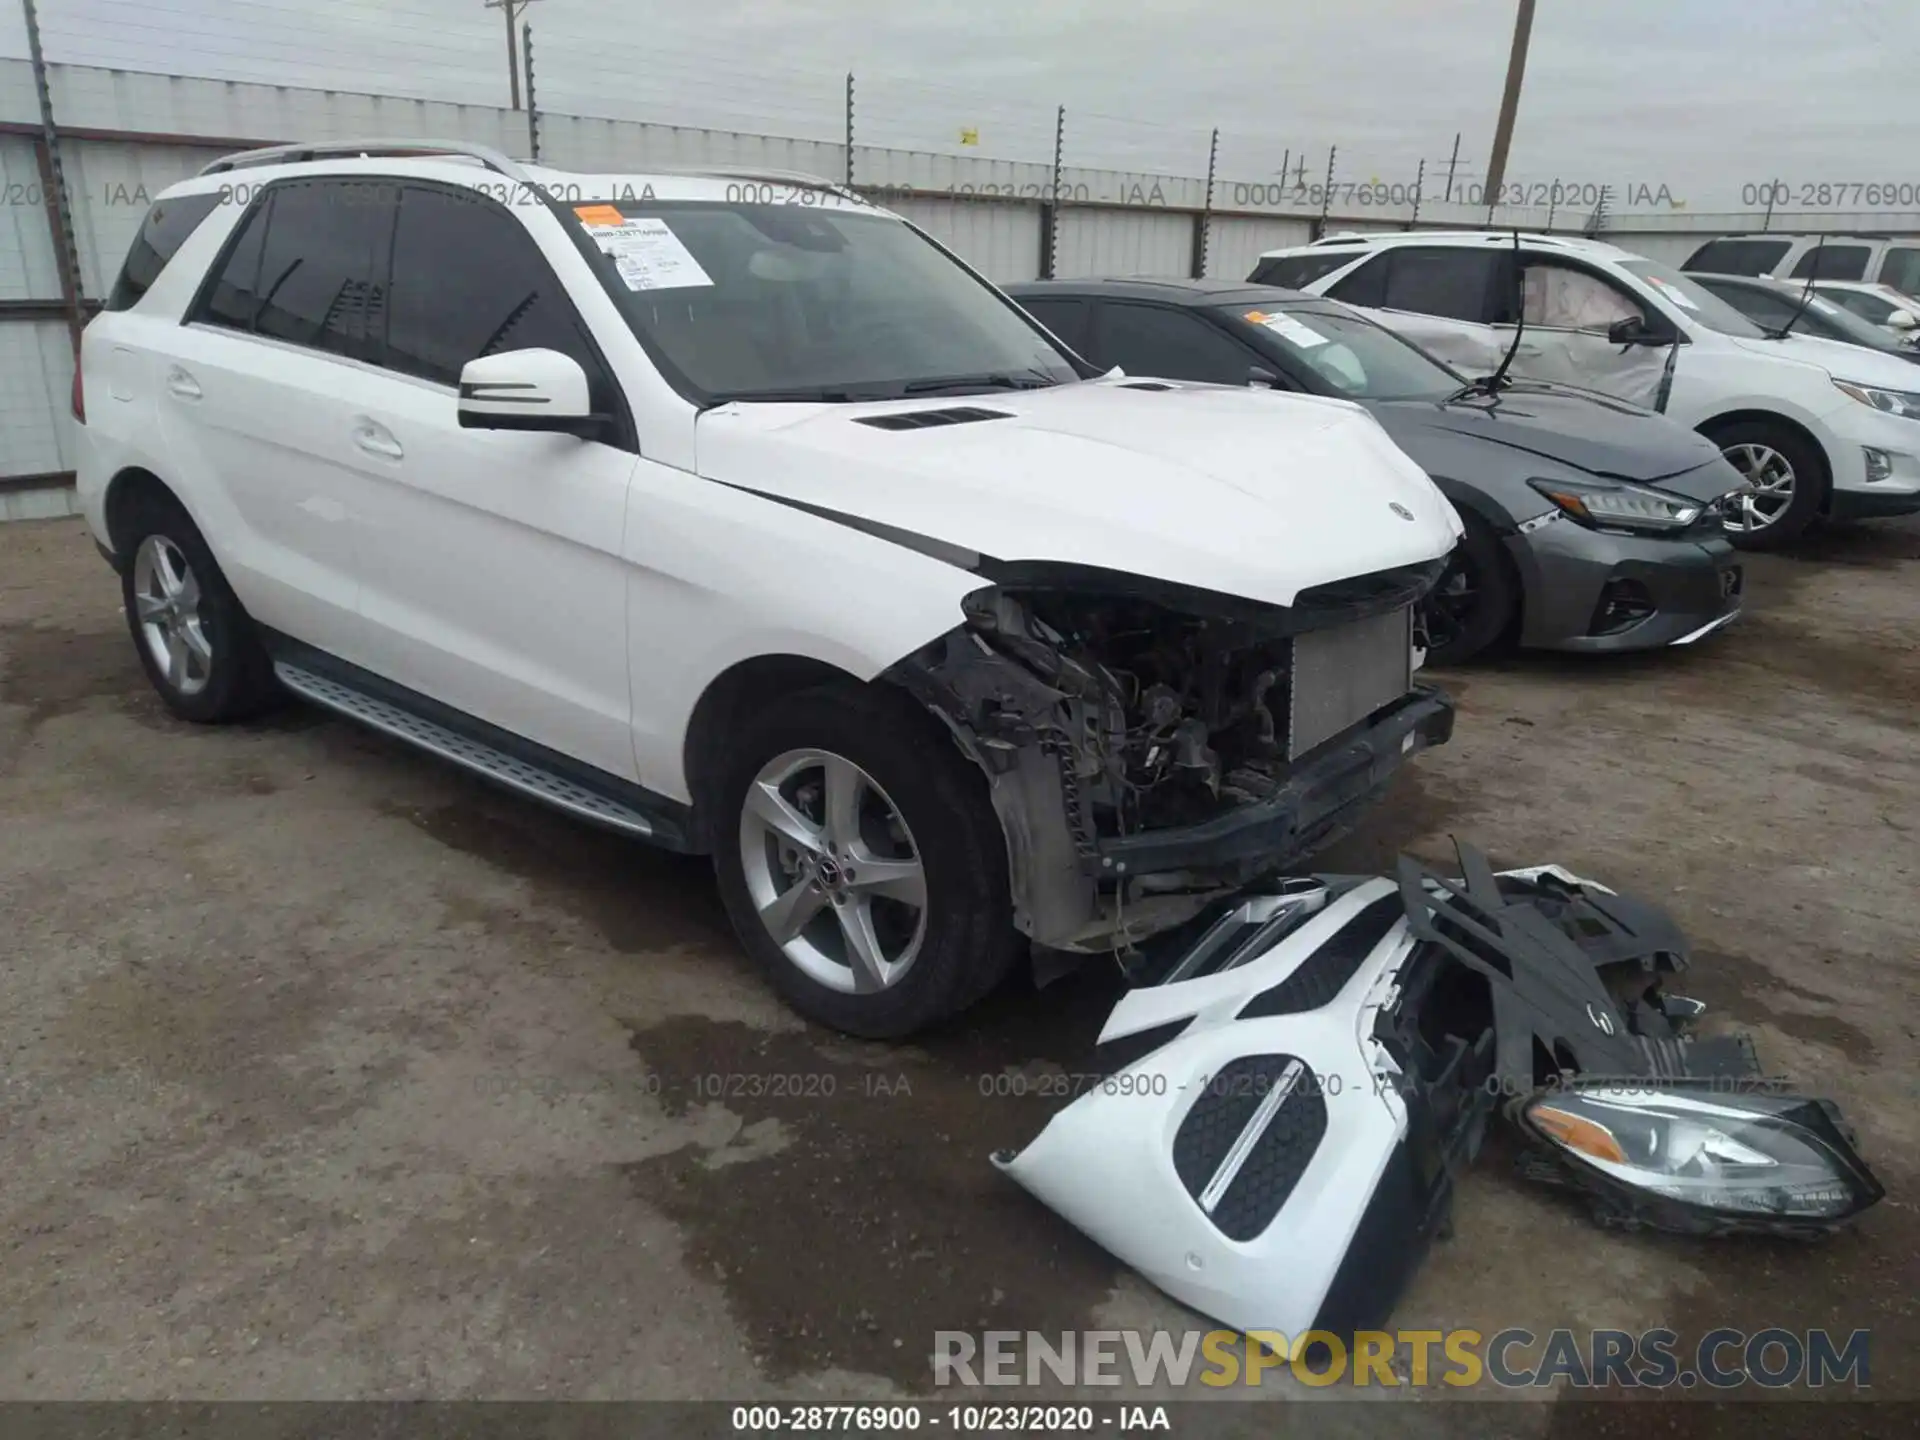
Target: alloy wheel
(1771,475)
(166,597)
(833,871)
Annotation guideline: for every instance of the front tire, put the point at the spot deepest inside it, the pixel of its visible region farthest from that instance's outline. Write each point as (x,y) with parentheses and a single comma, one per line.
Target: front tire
(1473,603)
(1789,475)
(861,862)
(194,639)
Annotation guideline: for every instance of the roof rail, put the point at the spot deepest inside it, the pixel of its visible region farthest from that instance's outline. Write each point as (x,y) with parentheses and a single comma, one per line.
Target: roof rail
(353,149)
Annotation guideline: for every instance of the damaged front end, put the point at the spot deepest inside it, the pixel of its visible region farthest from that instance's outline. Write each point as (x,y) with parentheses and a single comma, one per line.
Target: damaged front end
(1292,1089)
(1150,746)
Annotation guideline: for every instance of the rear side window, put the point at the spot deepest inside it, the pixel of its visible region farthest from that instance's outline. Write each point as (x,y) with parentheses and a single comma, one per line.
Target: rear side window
(1739,257)
(1174,344)
(1901,269)
(1365,286)
(1065,318)
(1871,308)
(1833,262)
(1295,272)
(303,266)
(316,284)
(234,294)
(1453,283)
(468,281)
(162,233)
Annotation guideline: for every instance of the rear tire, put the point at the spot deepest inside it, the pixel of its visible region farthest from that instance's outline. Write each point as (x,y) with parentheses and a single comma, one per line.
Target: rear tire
(1475,600)
(861,862)
(1770,455)
(194,638)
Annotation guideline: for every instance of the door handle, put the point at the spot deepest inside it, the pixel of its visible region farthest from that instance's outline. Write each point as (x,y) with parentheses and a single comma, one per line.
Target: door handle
(377,440)
(183,384)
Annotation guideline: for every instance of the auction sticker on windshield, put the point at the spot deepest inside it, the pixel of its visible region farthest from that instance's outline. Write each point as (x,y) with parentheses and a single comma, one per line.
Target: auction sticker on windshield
(1288,328)
(646,252)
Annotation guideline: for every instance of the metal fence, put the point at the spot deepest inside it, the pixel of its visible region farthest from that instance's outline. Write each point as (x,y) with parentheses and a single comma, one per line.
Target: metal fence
(75,191)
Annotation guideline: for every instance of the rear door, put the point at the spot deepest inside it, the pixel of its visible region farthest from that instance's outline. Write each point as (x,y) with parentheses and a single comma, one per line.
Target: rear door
(492,577)
(1444,298)
(258,393)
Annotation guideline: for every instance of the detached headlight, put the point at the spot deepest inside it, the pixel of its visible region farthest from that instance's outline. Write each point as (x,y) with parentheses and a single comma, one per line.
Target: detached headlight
(1694,1156)
(1625,507)
(1904,403)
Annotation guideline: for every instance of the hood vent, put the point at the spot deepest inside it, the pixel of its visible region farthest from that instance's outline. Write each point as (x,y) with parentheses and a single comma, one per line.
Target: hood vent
(1145,385)
(927,419)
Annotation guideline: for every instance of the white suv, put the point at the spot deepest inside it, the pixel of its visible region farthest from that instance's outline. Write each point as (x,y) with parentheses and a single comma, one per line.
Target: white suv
(738,515)
(1819,427)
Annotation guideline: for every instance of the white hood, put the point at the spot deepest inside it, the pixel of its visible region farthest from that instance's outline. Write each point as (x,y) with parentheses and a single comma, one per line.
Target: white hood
(1840,360)
(1244,492)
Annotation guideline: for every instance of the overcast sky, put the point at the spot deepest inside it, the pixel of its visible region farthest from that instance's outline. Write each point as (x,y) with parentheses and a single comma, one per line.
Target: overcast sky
(1698,95)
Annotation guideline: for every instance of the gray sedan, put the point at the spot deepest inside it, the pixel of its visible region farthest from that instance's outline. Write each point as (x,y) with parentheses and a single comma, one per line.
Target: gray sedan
(1591,524)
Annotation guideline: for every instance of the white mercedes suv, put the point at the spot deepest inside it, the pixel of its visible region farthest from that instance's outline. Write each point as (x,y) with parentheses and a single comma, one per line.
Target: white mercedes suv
(738,515)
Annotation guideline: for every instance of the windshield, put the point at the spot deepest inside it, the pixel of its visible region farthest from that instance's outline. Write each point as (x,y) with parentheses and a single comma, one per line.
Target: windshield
(810,302)
(1692,299)
(1356,357)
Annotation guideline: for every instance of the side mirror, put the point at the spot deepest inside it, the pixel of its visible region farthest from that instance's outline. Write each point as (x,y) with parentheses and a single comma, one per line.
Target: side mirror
(1904,320)
(1262,379)
(528,390)
(1635,331)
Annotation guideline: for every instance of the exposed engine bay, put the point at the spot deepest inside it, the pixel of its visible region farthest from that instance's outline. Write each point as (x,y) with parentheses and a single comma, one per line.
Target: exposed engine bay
(1141,738)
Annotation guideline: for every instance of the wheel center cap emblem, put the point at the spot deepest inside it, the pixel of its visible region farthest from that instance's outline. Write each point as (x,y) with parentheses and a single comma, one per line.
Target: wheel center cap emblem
(1400,510)
(829,872)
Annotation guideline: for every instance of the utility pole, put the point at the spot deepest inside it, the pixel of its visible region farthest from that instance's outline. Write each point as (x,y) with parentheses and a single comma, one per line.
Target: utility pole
(1510,100)
(511,9)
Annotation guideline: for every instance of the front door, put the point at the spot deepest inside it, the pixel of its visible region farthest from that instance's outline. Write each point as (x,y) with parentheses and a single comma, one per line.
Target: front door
(492,579)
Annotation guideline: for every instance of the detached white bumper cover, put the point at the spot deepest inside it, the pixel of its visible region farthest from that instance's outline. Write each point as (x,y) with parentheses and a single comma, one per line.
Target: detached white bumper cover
(1234,1165)
(1290,1097)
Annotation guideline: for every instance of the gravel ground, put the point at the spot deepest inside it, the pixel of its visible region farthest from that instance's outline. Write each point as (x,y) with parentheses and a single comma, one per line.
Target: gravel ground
(328,1072)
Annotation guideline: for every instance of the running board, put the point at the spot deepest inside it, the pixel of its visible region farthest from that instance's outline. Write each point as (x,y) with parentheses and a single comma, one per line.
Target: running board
(462,750)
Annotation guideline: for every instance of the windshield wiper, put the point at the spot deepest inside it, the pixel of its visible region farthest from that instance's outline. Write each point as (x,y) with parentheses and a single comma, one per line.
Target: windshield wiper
(1496,382)
(1806,296)
(1026,380)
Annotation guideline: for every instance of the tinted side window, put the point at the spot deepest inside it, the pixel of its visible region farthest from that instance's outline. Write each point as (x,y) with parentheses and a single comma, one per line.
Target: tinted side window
(234,294)
(314,283)
(469,281)
(1901,269)
(1292,272)
(1836,262)
(1173,344)
(1065,318)
(165,230)
(1763,307)
(1365,286)
(1452,283)
(1870,308)
(1738,257)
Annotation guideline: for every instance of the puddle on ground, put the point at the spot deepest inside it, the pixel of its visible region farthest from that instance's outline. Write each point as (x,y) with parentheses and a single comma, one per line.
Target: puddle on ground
(856,1210)
(52,672)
